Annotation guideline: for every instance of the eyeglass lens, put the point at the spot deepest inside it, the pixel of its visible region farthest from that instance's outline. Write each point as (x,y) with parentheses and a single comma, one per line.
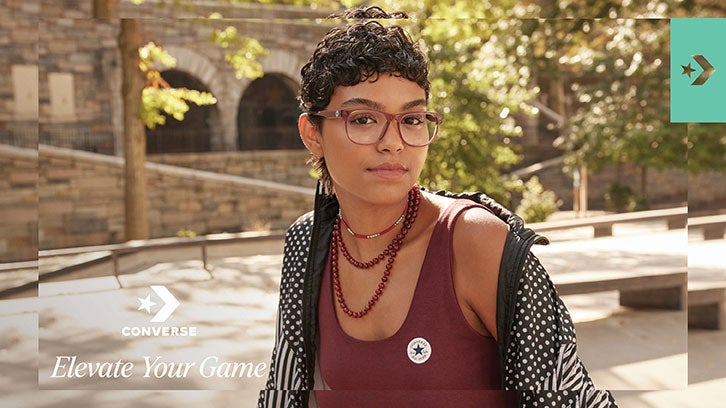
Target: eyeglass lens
(367,127)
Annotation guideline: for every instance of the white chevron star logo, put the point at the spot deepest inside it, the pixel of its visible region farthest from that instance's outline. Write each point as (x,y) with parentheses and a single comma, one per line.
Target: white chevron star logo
(170,303)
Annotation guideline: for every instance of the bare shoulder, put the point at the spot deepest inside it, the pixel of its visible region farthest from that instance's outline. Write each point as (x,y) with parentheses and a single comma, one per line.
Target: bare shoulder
(476,228)
(479,238)
(478,243)
(479,232)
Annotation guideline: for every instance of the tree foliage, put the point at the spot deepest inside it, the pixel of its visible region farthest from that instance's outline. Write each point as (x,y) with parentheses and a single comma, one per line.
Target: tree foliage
(537,203)
(706,147)
(143,105)
(609,58)
(243,53)
(619,77)
(619,74)
(158,97)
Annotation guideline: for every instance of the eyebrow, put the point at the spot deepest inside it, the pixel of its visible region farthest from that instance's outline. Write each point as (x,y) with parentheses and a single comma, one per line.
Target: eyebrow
(375,105)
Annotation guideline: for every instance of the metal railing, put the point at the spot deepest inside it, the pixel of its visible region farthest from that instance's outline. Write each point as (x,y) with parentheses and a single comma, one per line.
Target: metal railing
(114,252)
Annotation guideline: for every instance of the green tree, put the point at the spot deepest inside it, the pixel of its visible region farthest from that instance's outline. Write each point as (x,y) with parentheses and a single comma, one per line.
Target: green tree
(620,79)
(537,203)
(614,69)
(617,67)
(158,98)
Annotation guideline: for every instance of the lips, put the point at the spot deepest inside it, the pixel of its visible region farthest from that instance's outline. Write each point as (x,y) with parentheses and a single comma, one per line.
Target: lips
(389,170)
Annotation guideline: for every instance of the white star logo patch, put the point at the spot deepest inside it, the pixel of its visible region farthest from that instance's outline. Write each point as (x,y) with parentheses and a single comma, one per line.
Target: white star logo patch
(418,350)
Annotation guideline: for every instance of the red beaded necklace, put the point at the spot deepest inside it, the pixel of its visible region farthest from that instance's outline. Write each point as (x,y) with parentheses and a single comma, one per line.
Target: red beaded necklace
(337,244)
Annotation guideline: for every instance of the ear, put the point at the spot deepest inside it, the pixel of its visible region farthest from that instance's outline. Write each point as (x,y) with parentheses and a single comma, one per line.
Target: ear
(310,135)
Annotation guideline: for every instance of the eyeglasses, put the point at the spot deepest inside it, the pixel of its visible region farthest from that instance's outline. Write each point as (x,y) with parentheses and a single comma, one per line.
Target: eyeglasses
(366,126)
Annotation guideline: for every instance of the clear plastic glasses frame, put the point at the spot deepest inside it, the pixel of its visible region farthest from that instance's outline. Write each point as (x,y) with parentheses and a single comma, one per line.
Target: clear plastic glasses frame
(368,126)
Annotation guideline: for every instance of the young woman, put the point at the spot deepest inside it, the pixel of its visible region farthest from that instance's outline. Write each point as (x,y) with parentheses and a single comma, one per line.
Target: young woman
(393,295)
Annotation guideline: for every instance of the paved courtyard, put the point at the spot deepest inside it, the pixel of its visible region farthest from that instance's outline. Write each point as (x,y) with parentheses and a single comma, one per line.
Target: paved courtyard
(648,355)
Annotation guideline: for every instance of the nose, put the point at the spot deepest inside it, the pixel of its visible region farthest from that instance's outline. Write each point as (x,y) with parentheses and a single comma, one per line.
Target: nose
(392,141)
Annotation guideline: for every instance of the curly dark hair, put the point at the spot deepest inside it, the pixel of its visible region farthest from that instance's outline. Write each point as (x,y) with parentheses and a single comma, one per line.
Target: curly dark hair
(357,52)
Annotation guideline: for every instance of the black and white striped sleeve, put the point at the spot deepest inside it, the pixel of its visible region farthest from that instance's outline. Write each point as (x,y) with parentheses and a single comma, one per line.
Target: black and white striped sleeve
(285,383)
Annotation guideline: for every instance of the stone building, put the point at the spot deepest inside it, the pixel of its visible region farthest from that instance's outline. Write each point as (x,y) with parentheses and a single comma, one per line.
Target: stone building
(60,87)
(249,114)
(18,131)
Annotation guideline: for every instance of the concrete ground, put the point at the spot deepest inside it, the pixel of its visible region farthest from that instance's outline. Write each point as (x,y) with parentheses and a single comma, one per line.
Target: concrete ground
(622,348)
(648,355)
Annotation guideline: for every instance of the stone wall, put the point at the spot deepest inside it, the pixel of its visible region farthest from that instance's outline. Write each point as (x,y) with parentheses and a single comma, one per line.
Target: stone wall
(282,166)
(18,130)
(66,8)
(81,200)
(18,204)
(18,49)
(87,116)
(664,188)
(707,192)
(81,197)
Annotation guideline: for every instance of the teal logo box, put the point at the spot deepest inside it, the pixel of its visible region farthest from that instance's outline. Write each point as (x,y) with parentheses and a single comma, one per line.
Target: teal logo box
(698,70)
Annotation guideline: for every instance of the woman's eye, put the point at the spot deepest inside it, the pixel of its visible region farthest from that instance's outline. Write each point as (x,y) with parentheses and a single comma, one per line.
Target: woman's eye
(413,120)
(362,120)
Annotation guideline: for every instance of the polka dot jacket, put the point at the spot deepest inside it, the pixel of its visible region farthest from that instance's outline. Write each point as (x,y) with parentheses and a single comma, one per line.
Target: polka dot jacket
(537,339)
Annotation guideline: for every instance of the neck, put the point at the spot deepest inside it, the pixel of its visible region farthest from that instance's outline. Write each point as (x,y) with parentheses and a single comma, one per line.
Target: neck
(366,218)
(370,220)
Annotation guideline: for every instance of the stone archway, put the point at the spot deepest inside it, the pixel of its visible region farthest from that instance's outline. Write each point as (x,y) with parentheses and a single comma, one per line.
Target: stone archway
(195,132)
(282,62)
(220,83)
(268,108)
(267,115)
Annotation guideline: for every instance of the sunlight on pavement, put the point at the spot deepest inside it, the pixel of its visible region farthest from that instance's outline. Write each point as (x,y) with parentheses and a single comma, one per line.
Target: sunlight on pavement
(233,307)
(232,311)
(640,375)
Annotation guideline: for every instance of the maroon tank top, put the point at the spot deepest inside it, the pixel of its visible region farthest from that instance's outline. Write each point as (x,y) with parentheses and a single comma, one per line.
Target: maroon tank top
(435,348)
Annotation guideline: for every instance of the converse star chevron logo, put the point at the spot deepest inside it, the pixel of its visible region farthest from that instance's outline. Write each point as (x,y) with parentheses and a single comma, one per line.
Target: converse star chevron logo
(170,303)
(418,350)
